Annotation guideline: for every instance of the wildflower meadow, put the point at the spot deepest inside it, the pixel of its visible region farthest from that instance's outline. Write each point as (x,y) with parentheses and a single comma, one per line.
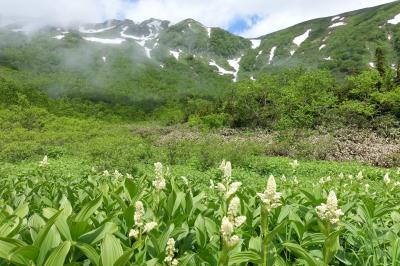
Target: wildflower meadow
(112,218)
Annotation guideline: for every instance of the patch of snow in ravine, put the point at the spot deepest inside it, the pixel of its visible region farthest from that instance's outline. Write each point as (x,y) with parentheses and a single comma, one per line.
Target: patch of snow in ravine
(221,70)
(389,37)
(301,38)
(292,52)
(395,20)
(105,41)
(371,64)
(234,63)
(335,18)
(328,58)
(147,51)
(338,24)
(255,44)
(104,59)
(209,32)
(59,37)
(271,55)
(175,54)
(259,53)
(252,78)
(91,31)
(322,47)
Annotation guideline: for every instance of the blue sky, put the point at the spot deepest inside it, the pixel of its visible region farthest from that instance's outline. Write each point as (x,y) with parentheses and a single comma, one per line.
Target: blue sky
(249,18)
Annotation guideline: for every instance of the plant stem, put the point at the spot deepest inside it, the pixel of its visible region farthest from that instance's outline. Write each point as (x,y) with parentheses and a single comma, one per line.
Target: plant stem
(224,258)
(264,234)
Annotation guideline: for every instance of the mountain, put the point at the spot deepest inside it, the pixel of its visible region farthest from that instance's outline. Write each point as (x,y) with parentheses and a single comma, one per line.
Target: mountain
(129,62)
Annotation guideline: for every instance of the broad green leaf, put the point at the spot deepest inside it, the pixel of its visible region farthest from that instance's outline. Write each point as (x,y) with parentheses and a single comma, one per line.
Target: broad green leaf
(245,256)
(88,209)
(124,259)
(301,252)
(98,234)
(89,252)
(111,250)
(331,246)
(58,255)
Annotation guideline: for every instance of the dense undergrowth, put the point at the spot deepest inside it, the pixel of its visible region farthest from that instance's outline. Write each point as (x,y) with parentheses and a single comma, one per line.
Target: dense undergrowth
(63,212)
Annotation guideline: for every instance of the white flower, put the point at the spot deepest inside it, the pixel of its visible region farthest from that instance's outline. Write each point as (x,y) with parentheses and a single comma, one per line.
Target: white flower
(133,233)
(386,179)
(170,250)
(158,170)
(270,198)
(398,171)
(397,184)
(233,188)
(366,188)
(295,180)
(222,165)
(359,176)
(283,178)
(294,164)
(220,187)
(106,173)
(239,221)
(330,211)
(341,176)
(117,174)
(350,177)
(228,170)
(233,241)
(129,176)
(212,186)
(159,184)
(139,213)
(226,227)
(321,181)
(234,207)
(149,226)
(174,262)
(185,180)
(44,162)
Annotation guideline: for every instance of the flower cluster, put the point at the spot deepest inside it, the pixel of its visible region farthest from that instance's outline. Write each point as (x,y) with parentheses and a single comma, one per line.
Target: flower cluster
(227,230)
(159,182)
(228,188)
(170,251)
(359,176)
(324,180)
(117,174)
(138,218)
(330,211)
(386,178)
(44,162)
(294,164)
(270,198)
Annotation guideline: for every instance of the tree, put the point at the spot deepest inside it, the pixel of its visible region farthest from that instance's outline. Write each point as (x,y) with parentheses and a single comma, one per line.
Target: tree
(380,61)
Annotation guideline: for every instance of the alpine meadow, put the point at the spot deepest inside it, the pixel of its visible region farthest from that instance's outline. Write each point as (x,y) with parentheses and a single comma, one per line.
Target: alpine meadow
(176,143)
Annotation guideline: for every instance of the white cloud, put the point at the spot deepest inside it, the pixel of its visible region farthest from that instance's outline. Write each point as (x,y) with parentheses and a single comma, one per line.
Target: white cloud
(274,15)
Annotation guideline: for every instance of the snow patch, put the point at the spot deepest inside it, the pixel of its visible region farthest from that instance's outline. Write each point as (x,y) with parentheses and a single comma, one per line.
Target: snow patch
(175,54)
(328,58)
(91,31)
(209,32)
(389,37)
(221,70)
(335,18)
(338,24)
(147,51)
(105,41)
(59,37)
(371,64)
(259,53)
(395,20)
(234,63)
(322,47)
(301,38)
(252,78)
(292,52)
(104,59)
(271,55)
(255,44)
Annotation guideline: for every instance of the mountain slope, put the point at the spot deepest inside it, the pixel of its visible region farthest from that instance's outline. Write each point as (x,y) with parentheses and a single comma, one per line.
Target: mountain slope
(129,62)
